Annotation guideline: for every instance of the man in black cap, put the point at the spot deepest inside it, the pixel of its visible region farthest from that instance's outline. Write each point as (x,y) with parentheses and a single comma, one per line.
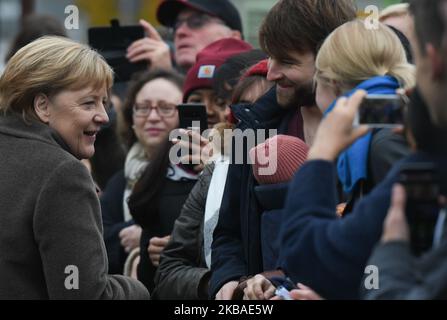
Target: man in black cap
(196,24)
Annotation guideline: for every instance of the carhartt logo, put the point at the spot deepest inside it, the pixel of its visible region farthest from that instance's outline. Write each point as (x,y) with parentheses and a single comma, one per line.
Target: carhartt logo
(206,72)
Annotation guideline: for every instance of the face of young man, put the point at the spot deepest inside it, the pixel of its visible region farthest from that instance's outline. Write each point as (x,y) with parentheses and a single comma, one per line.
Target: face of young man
(294,79)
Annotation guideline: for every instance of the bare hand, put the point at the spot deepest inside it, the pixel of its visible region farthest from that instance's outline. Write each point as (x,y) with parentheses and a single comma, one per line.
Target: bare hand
(259,288)
(226,292)
(396,227)
(336,131)
(151,49)
(200,149)
(304,293)
(156,246)
(130,237)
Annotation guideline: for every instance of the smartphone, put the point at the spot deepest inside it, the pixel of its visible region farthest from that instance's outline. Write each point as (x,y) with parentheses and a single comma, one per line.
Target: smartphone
(422,187)
(382,111)
(193,116)
(112,43)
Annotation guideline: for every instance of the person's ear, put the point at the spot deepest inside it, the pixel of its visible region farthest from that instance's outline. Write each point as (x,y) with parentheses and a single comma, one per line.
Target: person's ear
(236,34)
(437,62)
(41,106)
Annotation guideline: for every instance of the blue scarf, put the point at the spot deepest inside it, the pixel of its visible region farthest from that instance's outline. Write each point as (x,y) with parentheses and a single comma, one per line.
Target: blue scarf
(352,164)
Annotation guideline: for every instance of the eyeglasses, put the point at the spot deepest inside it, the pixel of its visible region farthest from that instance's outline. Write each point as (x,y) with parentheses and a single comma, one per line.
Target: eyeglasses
(196,21)
(163,108)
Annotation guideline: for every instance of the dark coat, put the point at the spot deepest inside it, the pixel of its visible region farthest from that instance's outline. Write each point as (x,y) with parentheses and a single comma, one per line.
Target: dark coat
(113,221)
(402,276)
(50,219)
(330,254)
(171,201)
(271,199)
(236,248)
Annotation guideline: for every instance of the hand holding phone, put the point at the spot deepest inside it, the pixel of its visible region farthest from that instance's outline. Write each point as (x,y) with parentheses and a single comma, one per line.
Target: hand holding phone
(193,117)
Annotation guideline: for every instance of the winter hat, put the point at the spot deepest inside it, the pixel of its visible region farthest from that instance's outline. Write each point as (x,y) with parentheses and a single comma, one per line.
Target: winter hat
(209,60)
(278,159)
(168,11)
(258,69)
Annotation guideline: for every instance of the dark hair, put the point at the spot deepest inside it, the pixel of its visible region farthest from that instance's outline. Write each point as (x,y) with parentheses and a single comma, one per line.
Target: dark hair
(35,26)
(429,22)
(138,81)
(302,26)
(230,72)
(143,203)
(428,137)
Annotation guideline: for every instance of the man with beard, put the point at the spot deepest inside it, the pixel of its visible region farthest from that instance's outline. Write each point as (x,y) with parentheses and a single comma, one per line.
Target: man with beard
(290,34)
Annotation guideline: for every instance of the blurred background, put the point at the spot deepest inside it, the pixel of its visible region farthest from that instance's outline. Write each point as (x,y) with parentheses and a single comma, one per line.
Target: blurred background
(100,12)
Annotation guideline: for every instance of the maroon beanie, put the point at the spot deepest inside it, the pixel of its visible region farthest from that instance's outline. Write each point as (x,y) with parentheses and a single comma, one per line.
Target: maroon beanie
(289,152)
(209,60)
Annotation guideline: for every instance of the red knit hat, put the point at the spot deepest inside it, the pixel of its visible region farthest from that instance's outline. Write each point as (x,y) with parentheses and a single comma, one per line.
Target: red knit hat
(278,159)
(209,60)
(259,69)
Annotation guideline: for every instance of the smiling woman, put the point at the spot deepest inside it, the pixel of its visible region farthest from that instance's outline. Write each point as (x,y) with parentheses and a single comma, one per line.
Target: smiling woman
(53,95)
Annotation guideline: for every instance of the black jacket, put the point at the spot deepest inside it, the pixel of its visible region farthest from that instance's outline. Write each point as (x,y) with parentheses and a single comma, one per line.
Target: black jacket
(113,221)
(271,199)
(171,201)
(326,253)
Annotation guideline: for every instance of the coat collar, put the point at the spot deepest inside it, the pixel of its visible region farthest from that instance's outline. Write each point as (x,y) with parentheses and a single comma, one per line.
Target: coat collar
(13,124)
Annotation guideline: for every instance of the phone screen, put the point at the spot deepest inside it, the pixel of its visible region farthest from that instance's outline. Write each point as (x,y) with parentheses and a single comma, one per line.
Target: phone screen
(381,111)
(422,208)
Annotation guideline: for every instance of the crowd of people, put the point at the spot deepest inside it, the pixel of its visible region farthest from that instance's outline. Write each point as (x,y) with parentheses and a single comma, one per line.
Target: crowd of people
(94,205)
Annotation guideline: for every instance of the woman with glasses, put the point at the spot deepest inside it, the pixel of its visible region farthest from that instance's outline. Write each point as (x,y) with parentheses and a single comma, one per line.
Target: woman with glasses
(149,115)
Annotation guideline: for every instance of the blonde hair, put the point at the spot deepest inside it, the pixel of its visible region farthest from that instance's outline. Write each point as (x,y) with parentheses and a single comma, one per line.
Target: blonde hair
(395,10)
(353,54)
(50,65)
